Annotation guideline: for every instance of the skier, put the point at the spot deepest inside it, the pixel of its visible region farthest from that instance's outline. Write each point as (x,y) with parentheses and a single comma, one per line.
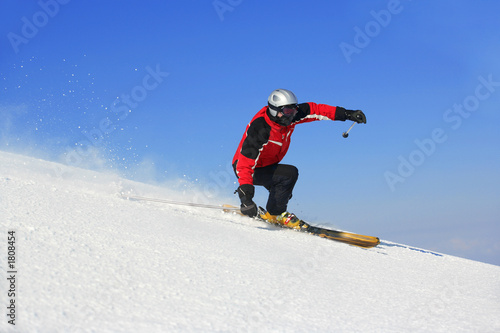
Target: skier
(264,144)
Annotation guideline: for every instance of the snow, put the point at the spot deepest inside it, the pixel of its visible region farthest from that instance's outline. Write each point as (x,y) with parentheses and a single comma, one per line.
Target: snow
(90,261)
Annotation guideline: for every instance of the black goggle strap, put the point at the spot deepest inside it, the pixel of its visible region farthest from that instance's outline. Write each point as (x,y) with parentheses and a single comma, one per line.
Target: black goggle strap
(274,109)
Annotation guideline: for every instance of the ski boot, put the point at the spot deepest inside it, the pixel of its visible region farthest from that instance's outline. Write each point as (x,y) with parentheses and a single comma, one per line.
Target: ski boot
(289,220)
(286,219)
(273,219)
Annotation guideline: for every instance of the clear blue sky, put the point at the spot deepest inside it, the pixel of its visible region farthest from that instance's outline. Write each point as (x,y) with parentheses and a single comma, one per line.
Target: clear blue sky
(163,90)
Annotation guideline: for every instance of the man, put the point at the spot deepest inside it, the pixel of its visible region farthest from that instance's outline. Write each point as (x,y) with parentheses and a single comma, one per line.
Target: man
(265,143)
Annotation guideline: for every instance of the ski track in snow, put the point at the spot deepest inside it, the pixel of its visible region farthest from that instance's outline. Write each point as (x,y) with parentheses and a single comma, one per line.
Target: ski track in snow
(90,261)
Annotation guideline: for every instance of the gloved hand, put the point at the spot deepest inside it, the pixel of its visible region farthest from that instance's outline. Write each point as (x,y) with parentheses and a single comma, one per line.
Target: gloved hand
(246,193)
(357,116)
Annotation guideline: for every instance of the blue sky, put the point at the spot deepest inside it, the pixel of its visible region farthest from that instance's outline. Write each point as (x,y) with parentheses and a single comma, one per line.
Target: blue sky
(163,90)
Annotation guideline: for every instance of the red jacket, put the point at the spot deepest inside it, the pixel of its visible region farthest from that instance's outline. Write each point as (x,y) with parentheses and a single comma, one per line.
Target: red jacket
(265,142)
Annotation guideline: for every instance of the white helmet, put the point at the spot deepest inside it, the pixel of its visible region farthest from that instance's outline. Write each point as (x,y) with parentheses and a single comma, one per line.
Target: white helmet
(280,98)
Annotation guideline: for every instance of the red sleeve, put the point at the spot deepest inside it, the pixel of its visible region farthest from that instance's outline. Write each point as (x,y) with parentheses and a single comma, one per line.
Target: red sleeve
(245,169)
(312,112)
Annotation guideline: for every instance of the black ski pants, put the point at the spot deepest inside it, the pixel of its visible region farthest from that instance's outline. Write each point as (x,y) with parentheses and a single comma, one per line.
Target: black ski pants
(279,180)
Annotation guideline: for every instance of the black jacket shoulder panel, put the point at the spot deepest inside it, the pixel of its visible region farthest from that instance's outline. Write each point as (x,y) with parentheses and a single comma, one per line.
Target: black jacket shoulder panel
(256,137)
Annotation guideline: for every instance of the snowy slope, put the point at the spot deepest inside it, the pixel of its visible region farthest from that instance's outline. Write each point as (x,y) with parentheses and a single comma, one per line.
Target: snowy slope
(90,261)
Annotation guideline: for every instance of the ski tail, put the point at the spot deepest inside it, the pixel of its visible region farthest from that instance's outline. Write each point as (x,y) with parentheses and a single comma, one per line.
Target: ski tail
(226,208)
(231,209)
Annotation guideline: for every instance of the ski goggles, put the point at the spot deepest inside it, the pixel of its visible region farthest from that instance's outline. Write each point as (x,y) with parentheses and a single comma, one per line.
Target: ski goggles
(289,110)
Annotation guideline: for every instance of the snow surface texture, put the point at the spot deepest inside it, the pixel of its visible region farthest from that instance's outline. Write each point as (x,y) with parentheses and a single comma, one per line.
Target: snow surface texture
(90,261)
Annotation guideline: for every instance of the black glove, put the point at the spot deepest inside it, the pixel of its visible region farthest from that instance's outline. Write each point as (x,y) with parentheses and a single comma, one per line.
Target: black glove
(343,115)
(357,116)
(248,207)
